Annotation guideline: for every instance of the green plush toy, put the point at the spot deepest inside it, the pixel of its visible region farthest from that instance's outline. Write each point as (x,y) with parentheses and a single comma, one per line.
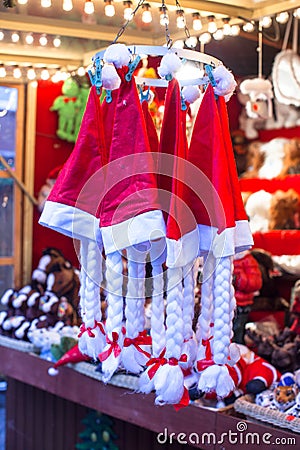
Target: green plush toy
(66,343)
(67,106)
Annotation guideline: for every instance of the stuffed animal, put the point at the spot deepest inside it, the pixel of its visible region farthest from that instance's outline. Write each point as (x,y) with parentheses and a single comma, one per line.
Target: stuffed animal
(254,160)
(295,308)
(67,106)
(291,161)
(284,210)
(258,210)
(46,188)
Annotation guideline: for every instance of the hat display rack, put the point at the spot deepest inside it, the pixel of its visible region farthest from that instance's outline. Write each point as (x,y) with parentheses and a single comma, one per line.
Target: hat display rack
(125,191)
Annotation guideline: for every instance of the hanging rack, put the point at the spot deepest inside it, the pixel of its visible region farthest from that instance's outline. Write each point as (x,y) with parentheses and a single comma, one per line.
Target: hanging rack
(187,55)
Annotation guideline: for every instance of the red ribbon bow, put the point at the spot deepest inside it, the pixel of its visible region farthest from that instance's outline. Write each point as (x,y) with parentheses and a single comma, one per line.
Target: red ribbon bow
(114,347)
(141,339)
(207,361)
(70,99)
(155,363)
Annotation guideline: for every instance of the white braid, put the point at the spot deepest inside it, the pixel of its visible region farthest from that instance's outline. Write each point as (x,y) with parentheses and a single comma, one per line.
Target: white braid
(92,344)
(114,321)
(189,346)
(205,317)
(83,261)
(168,380)
(234,352)
(141,296)
(216,377)
(158,332)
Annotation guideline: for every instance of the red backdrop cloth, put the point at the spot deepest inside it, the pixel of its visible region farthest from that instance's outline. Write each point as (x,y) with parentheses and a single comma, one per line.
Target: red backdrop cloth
(50,151)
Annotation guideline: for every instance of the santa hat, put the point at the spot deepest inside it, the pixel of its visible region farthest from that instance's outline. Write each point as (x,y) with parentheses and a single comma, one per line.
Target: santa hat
(72,356)
(218,212)
(130,218)
(71,209)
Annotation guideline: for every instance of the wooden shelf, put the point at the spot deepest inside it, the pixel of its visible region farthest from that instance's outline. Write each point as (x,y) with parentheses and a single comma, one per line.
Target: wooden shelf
(122,404)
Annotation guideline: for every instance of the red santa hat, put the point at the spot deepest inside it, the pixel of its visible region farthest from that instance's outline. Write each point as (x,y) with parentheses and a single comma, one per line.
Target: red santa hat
(70,357)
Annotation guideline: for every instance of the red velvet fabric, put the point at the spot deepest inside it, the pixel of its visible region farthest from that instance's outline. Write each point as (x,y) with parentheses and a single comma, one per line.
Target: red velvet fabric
(130,187)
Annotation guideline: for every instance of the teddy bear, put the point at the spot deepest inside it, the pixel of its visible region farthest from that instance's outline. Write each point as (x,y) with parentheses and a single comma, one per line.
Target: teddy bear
(291,160)
(284,210)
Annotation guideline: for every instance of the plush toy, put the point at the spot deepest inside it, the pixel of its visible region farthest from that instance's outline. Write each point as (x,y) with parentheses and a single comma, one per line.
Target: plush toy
(254,160)
(46,188)
(258,210)
(295,308)
(285,393)
(291,160)
(67,106)
(284,210)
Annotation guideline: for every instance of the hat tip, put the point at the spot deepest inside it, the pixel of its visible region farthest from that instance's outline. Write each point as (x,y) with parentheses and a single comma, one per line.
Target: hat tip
(52,371)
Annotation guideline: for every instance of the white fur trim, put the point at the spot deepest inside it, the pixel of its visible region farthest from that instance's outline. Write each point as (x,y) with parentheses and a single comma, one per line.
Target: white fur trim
(226,83)
(230,241)
(17,303)
(183,251)
(32,299)
(144,227)
(273,370)
(69,220)
(169,65)
(117,54)
(110,77)
(5,297)
(191,93)
(256,85)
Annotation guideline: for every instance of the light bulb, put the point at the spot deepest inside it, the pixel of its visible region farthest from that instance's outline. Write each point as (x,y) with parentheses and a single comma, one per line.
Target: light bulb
(218,35)
(64,76)
(57,42)
(205,38)
(191,42)
(163,17)
(45,74)
(109,9)
(89,7)
(297,13)
(43,40)
(56,77)
(180,21)
(1,35)
(283,17)
(81,71)
(248,27)
(31,75)
(22,2)
(226,27)
(46,3)
(235,30)
(17,72)
(178,44)
(29,39)
(15,37)
(2,72)
(266,22)
(197,24)
(67,5)
(212,26)
(128,10)
(146,15)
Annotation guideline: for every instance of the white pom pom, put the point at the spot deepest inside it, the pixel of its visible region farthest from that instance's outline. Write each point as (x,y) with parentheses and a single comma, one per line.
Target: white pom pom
(53,372)
(110,77)
(117,54)
(169,65)
(191,93)
(226,83)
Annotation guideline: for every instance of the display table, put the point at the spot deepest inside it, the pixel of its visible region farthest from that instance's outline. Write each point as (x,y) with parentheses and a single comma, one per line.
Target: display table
(40,407)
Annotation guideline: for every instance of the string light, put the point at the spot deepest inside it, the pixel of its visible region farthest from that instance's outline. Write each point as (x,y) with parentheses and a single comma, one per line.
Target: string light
(31,75)
(212,26)
(81,71)
(205,38)
(197,24)
(128,10)
(22,2)
(226,27)
(297,13)
(191,42)
(17,72)
(46,3)
(89,7)
(283,17)
(2,71)
(45,74)
(57,42)
(67,5)
(146,14)
(15,37)
(248,27)
(1,35)
(218,35)
(235,30)
(109,9)
(178,44)
(163,18)
(29,39)
(180,21)
(43,40)
(266,22)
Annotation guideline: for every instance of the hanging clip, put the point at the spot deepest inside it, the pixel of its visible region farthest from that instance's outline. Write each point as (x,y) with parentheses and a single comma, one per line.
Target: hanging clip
(209,71)
(144,95)
(132,66)
(108,97)
(96,77)
(183,104)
